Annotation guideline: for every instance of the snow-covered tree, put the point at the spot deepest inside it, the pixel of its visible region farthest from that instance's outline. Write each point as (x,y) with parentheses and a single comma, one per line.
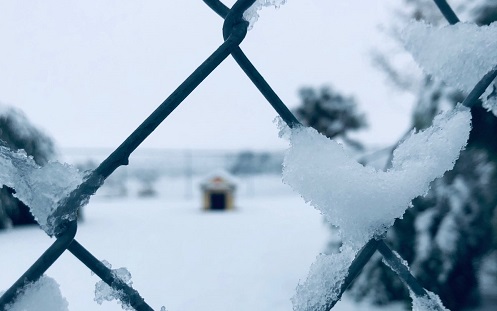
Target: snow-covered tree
(330,113)
(17,132)
(445,235)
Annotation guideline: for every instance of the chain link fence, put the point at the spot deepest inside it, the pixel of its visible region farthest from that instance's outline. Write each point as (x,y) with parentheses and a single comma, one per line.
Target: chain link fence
(234,31)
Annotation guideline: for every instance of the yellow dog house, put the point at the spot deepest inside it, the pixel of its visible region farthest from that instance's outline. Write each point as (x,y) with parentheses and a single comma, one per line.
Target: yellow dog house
(218,192)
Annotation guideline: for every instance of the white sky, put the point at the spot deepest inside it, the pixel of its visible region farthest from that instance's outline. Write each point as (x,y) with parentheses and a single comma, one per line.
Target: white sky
(89,72)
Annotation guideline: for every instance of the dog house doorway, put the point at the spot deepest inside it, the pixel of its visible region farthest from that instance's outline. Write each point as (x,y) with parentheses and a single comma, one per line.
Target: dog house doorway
(218,201)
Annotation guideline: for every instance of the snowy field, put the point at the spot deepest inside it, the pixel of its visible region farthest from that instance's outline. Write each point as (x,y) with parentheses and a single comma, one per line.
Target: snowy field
(183,258)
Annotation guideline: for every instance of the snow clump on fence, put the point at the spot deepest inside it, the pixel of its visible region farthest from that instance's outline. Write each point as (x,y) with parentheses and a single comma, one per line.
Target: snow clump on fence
(427,303)
(42,295)
(361,201)
(104,292)
(324,281)
(460,54)
(39,187)
(251,15)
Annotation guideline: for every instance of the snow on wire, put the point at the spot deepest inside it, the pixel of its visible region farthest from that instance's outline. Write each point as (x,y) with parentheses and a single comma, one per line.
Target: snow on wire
(465,53)
(42,295)
(251,15)
(341,188)
(40,187)
(361,201)
(104,292)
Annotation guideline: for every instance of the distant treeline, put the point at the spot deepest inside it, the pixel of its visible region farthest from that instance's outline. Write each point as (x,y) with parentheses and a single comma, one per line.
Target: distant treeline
(183,162)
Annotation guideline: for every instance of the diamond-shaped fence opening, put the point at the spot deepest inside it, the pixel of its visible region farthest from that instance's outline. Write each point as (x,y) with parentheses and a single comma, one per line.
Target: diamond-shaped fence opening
(62,222)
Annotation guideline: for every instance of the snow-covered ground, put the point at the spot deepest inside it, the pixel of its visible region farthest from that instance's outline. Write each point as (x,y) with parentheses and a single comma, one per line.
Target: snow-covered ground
(185,259)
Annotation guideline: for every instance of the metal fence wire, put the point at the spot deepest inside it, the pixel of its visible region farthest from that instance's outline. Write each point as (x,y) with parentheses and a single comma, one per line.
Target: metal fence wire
(234,31)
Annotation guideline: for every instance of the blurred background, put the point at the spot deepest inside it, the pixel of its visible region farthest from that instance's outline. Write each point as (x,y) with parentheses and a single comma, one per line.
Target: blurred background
(77,78)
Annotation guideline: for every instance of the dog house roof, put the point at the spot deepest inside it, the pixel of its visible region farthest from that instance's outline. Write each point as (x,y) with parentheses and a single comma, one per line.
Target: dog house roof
(220,180)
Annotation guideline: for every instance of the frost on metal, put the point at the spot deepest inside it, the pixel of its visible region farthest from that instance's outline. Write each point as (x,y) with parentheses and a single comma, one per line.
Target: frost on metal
(427,303)
(361,201)
(460,54)
(42,295)
(431,302)
(41,188)
(104,292)
(490,98)
(251,15)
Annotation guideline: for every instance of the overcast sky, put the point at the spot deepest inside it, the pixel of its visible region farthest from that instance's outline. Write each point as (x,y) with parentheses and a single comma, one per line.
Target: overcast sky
(89,72)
